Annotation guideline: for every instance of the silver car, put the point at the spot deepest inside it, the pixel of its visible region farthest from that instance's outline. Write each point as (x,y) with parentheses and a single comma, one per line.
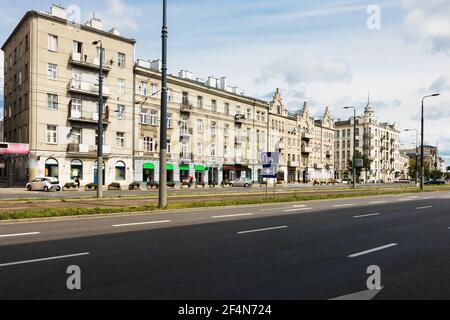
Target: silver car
(44,184)
(243,182)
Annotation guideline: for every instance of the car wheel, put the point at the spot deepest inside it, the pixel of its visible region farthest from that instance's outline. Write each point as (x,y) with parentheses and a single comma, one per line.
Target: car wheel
(58,189)
(29,188)
(46,189)
(246,185)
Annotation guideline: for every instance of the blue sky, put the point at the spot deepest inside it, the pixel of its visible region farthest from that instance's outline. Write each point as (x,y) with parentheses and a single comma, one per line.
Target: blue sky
(320,51)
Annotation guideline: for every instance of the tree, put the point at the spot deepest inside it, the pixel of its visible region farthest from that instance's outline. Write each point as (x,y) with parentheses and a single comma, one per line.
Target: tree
(366,164)
(448,169)
(436,174)
(412,169)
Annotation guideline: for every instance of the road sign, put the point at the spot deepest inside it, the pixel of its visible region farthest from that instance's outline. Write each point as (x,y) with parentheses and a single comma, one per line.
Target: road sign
(269,172)
(359,163)
(270,158)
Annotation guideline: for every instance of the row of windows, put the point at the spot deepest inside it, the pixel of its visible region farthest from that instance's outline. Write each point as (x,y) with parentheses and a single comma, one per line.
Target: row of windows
(76,136)
(77,169)
(23,47)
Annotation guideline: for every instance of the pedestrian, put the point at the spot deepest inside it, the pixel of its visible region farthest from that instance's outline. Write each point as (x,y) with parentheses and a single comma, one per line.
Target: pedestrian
(77,181)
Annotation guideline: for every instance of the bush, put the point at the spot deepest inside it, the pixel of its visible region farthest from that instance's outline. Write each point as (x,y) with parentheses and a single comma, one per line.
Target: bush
(114,186)
(134,186)
(91,186)
(70,185)
(171,184)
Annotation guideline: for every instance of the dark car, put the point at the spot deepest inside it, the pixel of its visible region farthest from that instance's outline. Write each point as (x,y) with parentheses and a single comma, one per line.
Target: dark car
(434,182)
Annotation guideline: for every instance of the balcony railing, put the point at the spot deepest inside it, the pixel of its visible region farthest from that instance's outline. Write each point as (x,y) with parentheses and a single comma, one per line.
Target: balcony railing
(239,118)
(84,61)
(85,149)
(306,149)
(293,163)
(88,117)
(307,136)
(87,88)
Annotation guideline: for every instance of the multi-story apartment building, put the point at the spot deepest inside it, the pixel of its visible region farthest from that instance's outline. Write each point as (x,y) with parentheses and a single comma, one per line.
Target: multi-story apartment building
(377,142)
(432,161)
(52,92)
(216,133)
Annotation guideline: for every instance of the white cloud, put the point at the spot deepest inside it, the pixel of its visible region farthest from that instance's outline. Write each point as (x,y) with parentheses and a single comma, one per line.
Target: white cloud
(304,68)
(428,22)
(121,15)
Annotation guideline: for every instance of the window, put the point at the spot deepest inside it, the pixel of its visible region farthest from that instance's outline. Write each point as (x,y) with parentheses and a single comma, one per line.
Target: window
(200,102)
(213,150)
(120,171)
(148,144)
(76,169)
(76,105)
(52,71)
(144,116)
(248,114)
(120,139)
(121,60)
(227,109)
(168,147)
(185,100)
(120,111)
(153,88)
(214,105)
(199,149)
(75,136)
(169,121)
(52,101)
(153,118)
(52,43)
(213,127)
(20,78)
(120,85)
(27,43)
(238,110)
(199,126)
(51,134)
(96,137)
(226,130)
(144,88)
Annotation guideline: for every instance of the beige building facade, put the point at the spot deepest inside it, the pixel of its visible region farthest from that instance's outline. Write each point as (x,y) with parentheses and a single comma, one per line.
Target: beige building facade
(216,133)
(51,98)
(376,141)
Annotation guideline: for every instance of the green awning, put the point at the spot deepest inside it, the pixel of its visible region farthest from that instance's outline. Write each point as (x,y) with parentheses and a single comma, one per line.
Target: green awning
(184,167)
(200,168)
(169,166)
(149,166)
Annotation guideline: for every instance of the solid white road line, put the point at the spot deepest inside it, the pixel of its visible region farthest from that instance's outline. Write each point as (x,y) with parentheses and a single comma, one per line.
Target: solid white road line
(421,208)
(427,198)
(367,215)
(377,202)
(44,259)
(265,229)
(19,234)
(299,206)
(140,223)
(344,205)
(233,215)
(298,209)
(372,250)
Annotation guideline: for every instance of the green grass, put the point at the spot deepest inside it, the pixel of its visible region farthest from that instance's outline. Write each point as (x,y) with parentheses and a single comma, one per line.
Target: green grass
(64,212)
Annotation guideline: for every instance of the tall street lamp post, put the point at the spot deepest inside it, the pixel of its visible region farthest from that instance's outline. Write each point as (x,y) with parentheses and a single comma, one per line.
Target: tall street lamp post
(354,146)
(100,125)
(417,153)
(422,155)
(162,203)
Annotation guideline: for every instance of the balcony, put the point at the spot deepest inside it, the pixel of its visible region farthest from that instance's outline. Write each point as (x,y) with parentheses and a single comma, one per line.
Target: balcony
(186,156)
(306,149)
(87,88)
(86,62)
(185,107)
(87,117)
(368,136)
(186,132)
(86,151)
(307,136)
(239,118)
(239,140)
(293,164)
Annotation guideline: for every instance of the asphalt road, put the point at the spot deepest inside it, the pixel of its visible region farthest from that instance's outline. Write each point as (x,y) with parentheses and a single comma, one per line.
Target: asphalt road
(311,250)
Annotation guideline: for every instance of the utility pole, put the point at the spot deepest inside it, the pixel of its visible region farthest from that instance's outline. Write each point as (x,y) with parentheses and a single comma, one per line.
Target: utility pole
(422,169)
(100,125)
(354,146)
(163,121)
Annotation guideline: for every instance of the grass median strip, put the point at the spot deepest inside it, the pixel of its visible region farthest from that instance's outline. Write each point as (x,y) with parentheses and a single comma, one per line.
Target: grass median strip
(189,204)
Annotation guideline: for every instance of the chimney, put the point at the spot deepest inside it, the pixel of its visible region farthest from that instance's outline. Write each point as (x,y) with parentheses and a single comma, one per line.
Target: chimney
(58,12)
(185,74)
(223,83)
(95,23)
(212,82)
(156,65)
(115,31)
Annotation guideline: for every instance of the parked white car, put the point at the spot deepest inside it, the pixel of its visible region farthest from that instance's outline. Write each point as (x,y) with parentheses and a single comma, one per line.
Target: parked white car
(243,182)
(44,184)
